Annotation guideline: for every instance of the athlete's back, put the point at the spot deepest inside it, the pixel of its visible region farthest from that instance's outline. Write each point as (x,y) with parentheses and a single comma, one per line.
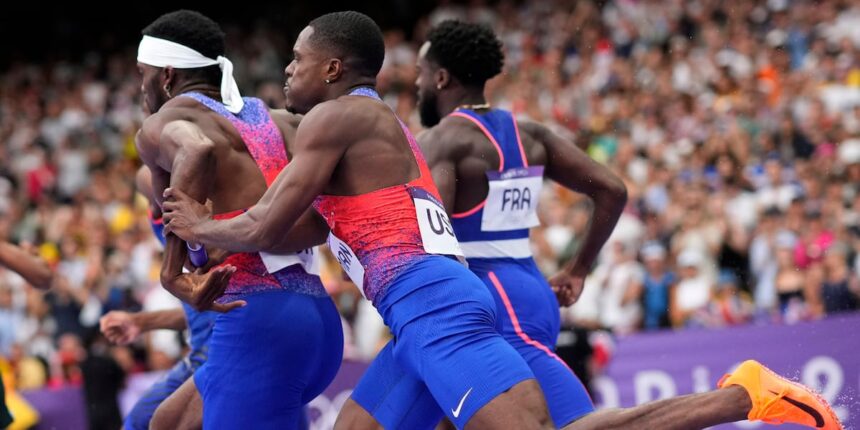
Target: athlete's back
(499,173)
(386,221)
(479,155)
(232,164)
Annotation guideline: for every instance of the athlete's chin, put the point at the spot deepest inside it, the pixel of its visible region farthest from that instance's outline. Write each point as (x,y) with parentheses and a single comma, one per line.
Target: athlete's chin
(429,118)
(428,124)
(292,107)
(295,110)
(427,110)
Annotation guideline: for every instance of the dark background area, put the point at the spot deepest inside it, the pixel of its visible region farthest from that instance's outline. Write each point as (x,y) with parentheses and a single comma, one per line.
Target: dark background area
(44,32)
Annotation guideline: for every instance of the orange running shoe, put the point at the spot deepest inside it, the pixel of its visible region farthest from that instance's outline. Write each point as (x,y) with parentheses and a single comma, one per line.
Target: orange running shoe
(776,400)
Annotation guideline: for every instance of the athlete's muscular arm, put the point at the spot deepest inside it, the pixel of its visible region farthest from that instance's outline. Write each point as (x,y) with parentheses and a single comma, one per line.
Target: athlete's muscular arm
(122,327)
(183,215)
(179,153)
(442,158)
(143,183)
(569,166)
(317,150)
(32,268)
(169,319)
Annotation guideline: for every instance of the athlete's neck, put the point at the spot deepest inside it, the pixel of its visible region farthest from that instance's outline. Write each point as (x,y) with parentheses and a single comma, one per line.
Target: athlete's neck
(454,98)
(206,89)
(343,87)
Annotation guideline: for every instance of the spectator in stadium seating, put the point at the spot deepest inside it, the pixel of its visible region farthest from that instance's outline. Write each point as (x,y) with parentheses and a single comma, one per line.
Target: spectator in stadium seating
(814,240)
(839,291)
(621,289)
(730,306)
(656,287)
(790,283)
(694,288)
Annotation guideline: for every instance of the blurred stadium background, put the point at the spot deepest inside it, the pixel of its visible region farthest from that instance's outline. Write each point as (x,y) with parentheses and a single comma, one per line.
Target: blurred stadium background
(735,124)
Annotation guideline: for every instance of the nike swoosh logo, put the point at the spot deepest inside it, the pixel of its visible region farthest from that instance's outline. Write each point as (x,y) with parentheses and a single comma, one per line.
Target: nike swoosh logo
(819,420)
(456,412)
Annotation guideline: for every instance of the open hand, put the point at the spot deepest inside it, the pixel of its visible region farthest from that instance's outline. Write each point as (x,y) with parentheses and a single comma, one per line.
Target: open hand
(208,287)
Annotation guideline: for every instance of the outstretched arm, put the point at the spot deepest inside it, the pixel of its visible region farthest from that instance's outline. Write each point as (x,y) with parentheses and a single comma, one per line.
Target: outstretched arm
(571,167)
(122,327)
(183,215)
(179,153)
(32,268)
(317,150)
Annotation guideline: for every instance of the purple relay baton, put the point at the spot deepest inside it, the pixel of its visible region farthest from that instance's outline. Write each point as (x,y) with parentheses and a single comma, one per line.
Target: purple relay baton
(197,254)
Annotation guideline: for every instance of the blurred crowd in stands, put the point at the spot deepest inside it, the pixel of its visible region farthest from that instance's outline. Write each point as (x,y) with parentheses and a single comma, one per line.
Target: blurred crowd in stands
(735,125)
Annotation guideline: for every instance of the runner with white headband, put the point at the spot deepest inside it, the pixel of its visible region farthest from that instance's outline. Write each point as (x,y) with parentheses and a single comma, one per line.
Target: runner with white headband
(158,52)
(279,342)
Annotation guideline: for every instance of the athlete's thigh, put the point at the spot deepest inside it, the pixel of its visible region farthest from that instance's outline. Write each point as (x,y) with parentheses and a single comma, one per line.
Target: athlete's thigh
(566,396)
(182,410)
(141,414)
(261,360)
(525,303)
(329,351)
(391,397)
(452,345)
(520,407)
(528,317)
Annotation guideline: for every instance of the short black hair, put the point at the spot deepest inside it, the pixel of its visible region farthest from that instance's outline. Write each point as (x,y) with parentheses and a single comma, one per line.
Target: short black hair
(196,31)
(191,29)
(471,52)
(354,37)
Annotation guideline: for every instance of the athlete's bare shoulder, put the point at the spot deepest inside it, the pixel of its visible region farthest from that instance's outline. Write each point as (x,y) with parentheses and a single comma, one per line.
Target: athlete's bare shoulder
(344,117)
(542,133)
(538,140)
(177,109)
(532,129)
(329,124)
(180,111)
(285,119)
(150,131)
(450,139)
(288,124)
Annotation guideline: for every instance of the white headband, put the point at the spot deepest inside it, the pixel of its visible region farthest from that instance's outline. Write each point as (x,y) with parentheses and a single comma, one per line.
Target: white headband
(162,53)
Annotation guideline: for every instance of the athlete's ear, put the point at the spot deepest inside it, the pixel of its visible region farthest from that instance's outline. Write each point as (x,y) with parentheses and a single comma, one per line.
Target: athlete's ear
(333,70)
(442,78)
(168,77)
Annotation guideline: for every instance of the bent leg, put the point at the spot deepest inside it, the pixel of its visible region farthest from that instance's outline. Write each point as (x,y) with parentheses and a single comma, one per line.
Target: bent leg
(389,397)
(183,410)
(694,411)
(566,397)
(521,407)
(142,412)
(445,334)
(355,417)
(528,319)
